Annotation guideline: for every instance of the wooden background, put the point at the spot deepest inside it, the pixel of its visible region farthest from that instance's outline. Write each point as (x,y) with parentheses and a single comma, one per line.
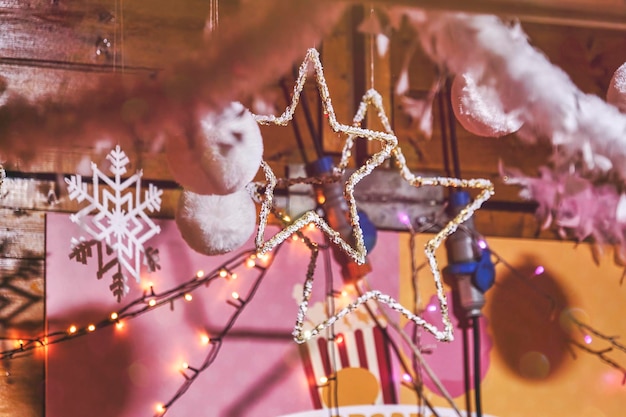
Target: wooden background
(56,48)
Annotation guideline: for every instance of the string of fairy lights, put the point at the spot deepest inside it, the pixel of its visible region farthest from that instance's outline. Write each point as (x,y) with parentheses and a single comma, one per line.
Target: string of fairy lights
(152,300)
(149,301)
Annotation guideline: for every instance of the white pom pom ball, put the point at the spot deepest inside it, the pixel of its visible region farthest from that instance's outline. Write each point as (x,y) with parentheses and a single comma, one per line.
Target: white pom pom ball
(479,109)
(215,224)
(223,155)
(616,94)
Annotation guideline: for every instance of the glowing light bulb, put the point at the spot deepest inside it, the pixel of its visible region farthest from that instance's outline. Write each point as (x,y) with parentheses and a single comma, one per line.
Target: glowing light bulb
(539,270)
(404,219)
(407,378)
(235,295)
(184,365)
(233,275)
(588,339)
(323,380)
(344,293)
(482,244)
(152,302)
(339,339)
(91,327)
(311,226)
(306,334)
(160,408)
(205,339)
(188,297)
(114,316)
(119,325)
(223,273)
(287,219)
(200,273)
(432,308)
(250,262)
(294,238)
(72,329)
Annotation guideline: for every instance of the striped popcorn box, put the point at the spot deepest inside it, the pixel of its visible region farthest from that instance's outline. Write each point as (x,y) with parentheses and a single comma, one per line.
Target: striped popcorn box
(354,368)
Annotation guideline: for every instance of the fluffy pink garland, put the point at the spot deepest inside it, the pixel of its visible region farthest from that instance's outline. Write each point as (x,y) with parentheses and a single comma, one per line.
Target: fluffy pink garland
(576,206)
(247,53)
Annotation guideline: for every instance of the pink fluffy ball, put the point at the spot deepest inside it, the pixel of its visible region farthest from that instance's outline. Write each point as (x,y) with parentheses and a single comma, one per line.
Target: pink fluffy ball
(221,156)
(616,94)
(479,109)
(216,224)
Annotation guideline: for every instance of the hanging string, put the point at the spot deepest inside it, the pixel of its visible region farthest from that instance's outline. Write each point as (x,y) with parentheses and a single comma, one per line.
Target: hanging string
(121,11)
(115,14)
(371,47)
(213,16)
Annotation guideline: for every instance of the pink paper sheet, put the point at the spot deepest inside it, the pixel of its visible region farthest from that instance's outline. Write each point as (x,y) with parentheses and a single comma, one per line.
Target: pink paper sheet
(125,373)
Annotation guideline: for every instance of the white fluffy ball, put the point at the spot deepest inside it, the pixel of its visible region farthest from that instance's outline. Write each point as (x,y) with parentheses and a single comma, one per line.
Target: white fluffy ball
(223,155)
(616,94)
(216,224)
(479,109)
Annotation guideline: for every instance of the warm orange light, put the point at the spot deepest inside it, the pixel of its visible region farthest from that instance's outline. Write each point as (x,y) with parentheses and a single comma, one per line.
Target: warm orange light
(152,302)
(339,339)
(223,273)
(250,263)
(114,316)
(119,325)
(311,226)
(72,329)
(160,408)
(287,219)
(188,297)
(19,343)
(200,274)
(233,275)
(184,365)
(205,339)
(91,327)
(294,238)
(344,293)
(323,380)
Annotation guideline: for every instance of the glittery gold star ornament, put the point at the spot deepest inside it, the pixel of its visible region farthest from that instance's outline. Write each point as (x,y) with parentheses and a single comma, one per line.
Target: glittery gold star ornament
(388,141)
(372,97)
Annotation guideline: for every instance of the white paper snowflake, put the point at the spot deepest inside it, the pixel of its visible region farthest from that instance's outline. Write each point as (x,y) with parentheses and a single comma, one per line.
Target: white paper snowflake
(120,219)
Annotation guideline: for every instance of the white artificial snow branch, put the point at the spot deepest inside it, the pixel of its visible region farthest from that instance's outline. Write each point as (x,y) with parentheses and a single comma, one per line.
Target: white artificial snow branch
(550,105)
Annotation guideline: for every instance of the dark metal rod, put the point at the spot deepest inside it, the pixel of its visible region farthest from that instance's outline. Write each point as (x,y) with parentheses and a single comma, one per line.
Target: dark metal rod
(476,334)
(294,123)
(452,126)
(444,134)
(316,134)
